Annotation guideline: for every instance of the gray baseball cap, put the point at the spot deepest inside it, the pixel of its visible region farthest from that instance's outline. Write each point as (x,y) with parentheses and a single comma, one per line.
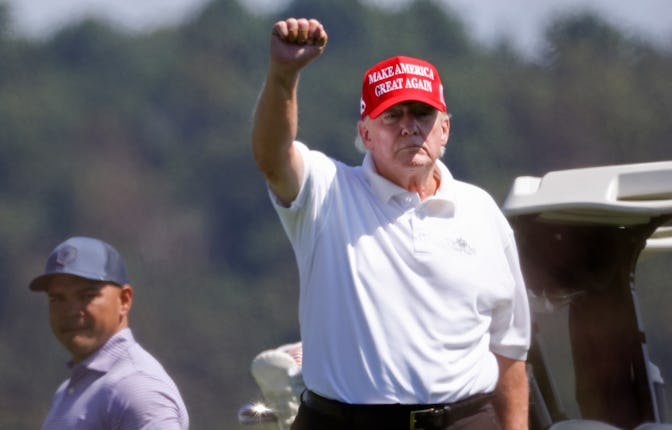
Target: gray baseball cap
(85,257)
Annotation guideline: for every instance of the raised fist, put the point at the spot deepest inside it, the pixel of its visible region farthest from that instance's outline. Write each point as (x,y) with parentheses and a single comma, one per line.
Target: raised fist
(297,41)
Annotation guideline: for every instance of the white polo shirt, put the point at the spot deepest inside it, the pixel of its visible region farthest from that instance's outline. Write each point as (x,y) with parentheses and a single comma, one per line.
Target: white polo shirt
(402,300)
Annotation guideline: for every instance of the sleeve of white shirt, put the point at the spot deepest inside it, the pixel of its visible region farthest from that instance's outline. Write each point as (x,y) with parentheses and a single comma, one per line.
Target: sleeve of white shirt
(303,151)
(511,332)
(297,219)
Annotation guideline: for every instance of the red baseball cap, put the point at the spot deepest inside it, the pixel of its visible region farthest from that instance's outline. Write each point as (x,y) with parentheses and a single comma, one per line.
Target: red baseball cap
(399,79)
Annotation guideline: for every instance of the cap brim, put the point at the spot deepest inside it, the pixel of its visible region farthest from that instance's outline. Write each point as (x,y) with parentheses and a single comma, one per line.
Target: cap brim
(41,282)
(388,103)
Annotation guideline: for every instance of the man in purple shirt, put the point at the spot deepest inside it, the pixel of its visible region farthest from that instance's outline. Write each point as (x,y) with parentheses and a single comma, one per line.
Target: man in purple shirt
(114,382)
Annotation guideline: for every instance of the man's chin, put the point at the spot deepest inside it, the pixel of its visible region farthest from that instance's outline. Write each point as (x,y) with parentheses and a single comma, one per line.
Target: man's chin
(74,335)
(420,160)
(79,344)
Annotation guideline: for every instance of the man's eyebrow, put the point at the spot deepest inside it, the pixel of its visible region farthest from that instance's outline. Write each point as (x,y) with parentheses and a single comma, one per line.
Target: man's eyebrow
(93,286)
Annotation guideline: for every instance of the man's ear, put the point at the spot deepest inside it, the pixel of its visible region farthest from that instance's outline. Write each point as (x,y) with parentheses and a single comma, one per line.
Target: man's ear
(363,131)
(445,128)
(126,297)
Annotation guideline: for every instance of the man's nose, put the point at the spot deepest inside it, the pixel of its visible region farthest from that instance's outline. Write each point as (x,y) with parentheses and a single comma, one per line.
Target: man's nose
(409,124)
(73,308)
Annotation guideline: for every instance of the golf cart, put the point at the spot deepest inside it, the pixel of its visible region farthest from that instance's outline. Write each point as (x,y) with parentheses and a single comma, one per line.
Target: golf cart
(580,235)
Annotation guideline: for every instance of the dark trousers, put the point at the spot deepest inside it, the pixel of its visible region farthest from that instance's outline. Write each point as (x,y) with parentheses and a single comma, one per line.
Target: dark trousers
(309,418)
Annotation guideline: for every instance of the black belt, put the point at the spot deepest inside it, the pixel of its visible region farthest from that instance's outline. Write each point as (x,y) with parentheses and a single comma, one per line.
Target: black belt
(427,417)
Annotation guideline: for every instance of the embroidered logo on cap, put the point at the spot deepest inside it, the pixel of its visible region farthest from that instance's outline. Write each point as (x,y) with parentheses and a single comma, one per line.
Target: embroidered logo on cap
(66,255)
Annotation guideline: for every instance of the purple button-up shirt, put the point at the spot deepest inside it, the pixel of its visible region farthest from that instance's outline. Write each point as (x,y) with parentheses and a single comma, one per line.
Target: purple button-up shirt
(120,386)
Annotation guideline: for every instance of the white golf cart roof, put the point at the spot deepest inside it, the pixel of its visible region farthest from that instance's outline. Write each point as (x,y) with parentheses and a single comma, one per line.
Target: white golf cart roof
(620,195)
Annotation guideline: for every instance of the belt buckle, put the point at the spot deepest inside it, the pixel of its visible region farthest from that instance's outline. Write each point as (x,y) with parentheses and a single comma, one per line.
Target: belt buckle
(425,412)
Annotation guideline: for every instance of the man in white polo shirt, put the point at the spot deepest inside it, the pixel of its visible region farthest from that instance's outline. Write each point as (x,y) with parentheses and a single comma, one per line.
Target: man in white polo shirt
(413,309)
(114,383)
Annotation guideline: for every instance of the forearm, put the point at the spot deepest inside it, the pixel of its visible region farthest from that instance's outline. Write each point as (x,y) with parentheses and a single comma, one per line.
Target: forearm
(275,121)
(274,130)
(512,394)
